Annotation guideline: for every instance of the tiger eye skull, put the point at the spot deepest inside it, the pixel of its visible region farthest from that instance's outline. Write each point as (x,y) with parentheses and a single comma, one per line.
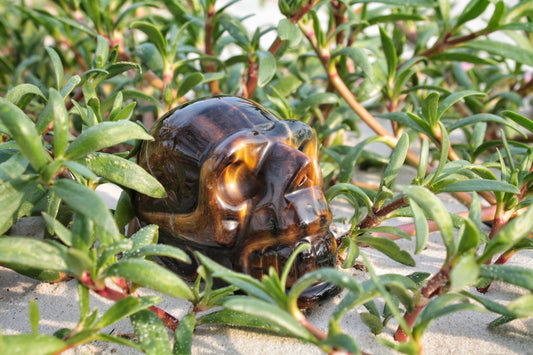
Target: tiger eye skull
(244,188)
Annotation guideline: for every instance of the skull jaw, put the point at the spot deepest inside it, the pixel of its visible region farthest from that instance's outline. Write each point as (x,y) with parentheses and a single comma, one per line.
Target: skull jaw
(316,294)
(229,257)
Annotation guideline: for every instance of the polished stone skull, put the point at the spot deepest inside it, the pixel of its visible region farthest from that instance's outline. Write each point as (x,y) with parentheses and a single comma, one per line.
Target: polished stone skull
(244,188)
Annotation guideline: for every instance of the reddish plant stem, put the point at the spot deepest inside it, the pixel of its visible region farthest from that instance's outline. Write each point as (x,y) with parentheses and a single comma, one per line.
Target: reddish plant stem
(278,42)
(410,319)
(317,333)
(251,81)
(430,290)
(210,67)
(505,257)
(448,41)
(374,219)
(169,320)
(412,158)
(338,13)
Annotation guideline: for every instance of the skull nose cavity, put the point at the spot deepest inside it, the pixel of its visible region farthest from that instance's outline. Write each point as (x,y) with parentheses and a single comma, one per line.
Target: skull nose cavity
(230,225)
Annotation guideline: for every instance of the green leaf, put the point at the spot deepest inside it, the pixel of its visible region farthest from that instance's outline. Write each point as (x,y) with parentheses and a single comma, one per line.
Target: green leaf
(351,254)
(85,201)
(390,53)
(101,54)
(521,120)
(434,209)
(189,82)
(124,211)
(138,95)
(341,341)
(502,49)
(151,57)
(13,193)
(145,236)
(78,261)
(501,320)
(373,322)
(124,173)
(444,13)
(15,94)
(125,307)
(153,34)
(113,249)
(389,301)
(62,232)
(123,114)
(160,250)
(472,10)
(440,306)
(23,344)
(117,340)
(458,55)
(489,304)
(151,332)
(482,117)
(497,16)
(387,247)
(468,237)
(34,316)
(121,67)
(430,107)
(315,100)
(103,135)
(409,120)
(269,313)
(183,335)
(61,123)
(422,3)
(244,282)
(509,235)
(240,319)
(479,185)
(149,274)
(235,29)
(348,189)
(421,226)
(409,347)
(32,253)
(80,169)
(464,273)
(57,66)
(359,57)
(288,31)
(514,275)
(13,167)
(22,130)
(405,72)
(267,67)
(288,265)
(451,99)
(522,306)
(396,161)
(400,291)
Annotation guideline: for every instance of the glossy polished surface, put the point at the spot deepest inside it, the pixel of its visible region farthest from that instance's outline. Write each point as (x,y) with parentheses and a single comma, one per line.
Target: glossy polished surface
(244,188)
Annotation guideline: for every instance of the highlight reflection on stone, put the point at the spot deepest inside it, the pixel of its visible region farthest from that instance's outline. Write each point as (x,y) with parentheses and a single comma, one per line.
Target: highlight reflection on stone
(244,188)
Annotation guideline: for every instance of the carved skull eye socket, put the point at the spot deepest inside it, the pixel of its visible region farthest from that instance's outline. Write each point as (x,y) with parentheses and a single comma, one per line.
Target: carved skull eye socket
(238,183)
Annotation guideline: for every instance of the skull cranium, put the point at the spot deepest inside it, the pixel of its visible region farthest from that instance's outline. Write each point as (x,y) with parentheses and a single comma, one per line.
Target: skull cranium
(244,188)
